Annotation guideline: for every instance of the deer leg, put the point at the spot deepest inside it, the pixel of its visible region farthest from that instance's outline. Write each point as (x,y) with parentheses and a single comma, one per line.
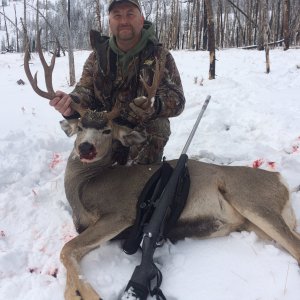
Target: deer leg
(104,230)
(274,225)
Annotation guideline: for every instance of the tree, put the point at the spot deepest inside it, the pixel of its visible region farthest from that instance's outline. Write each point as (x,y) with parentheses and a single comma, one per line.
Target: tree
(286,18)
(266,30)
(98,14)
(17,31)
(70,43)
(6,30)
(211,39)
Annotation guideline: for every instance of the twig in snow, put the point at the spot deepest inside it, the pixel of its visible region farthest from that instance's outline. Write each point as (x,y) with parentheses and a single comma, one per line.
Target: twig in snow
(287,274)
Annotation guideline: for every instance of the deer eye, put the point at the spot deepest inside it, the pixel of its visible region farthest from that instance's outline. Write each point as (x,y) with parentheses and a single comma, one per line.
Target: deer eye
(106,131)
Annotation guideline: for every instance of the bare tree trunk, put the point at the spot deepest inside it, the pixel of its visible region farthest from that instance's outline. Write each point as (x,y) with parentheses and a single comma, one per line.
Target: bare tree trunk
(17,32)
(98,15)
(6,30)
(255,39)
(225,22)
(204,26)
(260,42)
(26,37)
(156,18)
(191,27)
(69,13)
(197,24)
(278,15)
(266,25)
(47,27)
(219,24)
(37,26)
(286,19)
(70,45)
(174,24)
(211,39)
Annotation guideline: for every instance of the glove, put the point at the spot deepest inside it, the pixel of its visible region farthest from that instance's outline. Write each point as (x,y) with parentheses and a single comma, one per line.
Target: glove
(144,108)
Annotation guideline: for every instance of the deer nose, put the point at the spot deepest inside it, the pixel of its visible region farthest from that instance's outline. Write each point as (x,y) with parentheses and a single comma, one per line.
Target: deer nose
(86,148)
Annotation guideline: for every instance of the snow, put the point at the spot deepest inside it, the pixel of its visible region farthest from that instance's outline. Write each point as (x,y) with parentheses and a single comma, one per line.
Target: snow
(252,119)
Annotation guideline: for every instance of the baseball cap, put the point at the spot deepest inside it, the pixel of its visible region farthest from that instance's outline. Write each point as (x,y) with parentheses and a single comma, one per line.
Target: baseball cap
(113,2)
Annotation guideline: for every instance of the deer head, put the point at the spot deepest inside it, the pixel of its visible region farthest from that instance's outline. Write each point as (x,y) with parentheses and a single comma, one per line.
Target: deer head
(95,134)
(95,130)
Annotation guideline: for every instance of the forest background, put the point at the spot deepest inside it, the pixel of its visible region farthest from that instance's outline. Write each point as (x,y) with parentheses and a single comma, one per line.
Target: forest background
(179,24)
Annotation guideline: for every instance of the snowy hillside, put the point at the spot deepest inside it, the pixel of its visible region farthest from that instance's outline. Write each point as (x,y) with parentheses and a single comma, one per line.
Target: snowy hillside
(253,119)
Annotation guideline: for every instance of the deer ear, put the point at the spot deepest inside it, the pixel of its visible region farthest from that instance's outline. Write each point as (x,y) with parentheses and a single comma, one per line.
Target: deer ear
(70,127)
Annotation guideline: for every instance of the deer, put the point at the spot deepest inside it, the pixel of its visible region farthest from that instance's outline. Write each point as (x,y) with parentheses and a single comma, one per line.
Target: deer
(103,196)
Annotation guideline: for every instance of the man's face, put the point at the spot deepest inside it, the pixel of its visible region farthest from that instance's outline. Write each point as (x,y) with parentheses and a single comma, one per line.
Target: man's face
(126,22)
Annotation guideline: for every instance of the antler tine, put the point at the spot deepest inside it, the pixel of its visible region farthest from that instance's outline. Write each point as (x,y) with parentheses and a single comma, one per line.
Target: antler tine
(115,112)
(158,74)
(47,70)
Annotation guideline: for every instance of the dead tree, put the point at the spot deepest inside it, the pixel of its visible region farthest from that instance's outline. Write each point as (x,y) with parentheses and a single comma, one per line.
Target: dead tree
(98,14)
(70,44)
(266,30)
(211,40)
(286,19)
(6,30)
(17,31)
(191,26)
(14,24)
(205,30)
(24,23)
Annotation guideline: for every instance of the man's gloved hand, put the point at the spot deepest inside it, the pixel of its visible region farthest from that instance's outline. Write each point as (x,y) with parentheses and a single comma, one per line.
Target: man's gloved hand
(144,108)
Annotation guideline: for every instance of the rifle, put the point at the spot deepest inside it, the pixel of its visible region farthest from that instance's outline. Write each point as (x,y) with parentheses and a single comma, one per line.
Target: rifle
(141,282)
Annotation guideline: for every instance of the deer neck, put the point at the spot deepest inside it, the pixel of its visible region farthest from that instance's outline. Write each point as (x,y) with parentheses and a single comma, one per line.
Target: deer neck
(85,171)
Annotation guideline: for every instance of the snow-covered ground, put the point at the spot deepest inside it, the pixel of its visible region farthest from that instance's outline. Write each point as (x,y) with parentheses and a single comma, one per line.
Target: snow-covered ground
(253,119)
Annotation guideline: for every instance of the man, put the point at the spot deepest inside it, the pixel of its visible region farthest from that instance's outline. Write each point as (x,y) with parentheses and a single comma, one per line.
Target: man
(112,73)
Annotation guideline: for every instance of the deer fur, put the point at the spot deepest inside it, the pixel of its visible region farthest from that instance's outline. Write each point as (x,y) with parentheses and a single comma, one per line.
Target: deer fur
(222,199)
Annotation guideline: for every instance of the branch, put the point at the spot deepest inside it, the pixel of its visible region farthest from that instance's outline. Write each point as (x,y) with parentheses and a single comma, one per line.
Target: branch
(10,21)
(255,46)
(242,12)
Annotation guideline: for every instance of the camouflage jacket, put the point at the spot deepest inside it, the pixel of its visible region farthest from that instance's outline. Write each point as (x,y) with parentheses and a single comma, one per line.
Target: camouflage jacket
(104,80)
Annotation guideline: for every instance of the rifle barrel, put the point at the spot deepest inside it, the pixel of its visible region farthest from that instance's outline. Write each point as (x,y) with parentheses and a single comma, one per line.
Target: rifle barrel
(184,151)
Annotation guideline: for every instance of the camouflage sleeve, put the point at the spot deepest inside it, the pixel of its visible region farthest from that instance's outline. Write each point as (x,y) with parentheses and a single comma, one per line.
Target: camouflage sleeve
(170,92)
(84,89)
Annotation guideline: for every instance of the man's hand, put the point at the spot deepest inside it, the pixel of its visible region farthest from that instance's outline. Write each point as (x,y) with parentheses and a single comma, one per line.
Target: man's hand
(143,107)
(61,103)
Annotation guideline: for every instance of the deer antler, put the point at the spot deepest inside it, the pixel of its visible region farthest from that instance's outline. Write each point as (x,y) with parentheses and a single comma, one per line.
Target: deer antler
(48,70)
(115,112)
(158,74)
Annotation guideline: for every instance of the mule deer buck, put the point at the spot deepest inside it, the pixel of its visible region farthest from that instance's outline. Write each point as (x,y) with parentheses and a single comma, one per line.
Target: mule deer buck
(222,199)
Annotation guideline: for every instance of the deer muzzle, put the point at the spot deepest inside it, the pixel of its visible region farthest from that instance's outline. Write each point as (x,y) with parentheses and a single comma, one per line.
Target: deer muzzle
(87,151)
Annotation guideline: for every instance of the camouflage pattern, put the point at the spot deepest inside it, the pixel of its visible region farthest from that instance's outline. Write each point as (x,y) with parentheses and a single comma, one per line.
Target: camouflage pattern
(102,84)
(113,2)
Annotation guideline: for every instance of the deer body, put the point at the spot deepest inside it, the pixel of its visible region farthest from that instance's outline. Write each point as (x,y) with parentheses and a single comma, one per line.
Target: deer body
(221,200)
